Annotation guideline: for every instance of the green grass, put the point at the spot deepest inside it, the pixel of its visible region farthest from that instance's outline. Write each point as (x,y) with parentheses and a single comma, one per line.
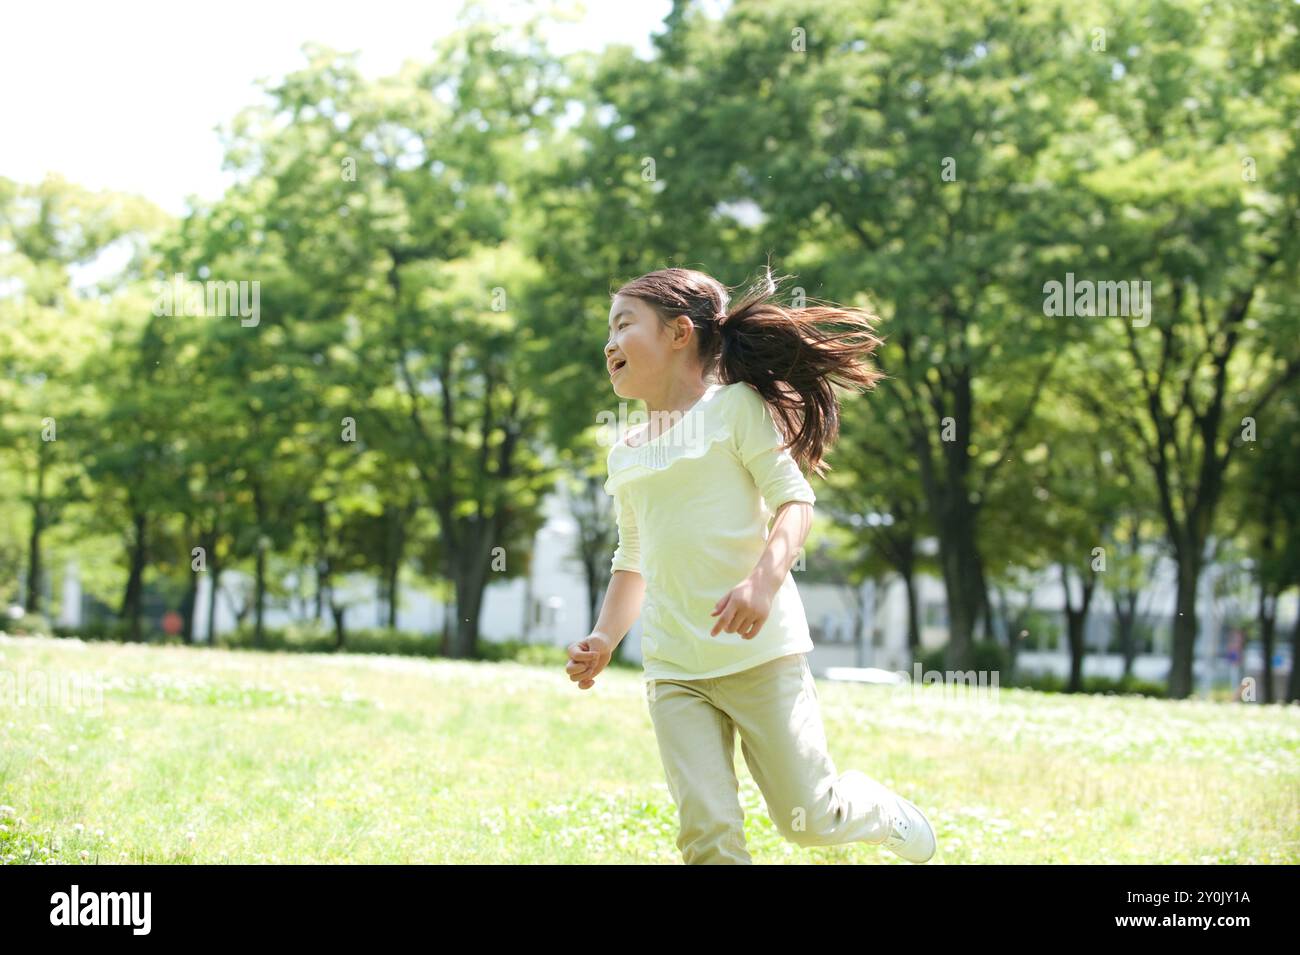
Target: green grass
(193,755)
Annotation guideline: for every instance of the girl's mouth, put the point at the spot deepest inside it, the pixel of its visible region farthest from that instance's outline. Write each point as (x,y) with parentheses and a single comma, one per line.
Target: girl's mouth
(618,366)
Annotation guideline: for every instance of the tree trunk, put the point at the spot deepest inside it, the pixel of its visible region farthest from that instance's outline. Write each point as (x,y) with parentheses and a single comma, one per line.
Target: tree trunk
(1014,620)
(1074,635)
(913,615)
(1268,594)
(989,632)
(259,600)
(322,568)
(1184,631)
(469,603)
(963,575)
(34,570)
(1267,617)
(133,598)
(214,571)
(947,487)
(394,572)
(1076,619)
(449,617)
(1293,681)
(1126,626)
(187,610)
(397,549)
(863,632)
(320,593)
(338,612)
(474,539)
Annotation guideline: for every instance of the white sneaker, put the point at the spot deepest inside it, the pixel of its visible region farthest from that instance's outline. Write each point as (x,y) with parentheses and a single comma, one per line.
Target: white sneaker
(911,836)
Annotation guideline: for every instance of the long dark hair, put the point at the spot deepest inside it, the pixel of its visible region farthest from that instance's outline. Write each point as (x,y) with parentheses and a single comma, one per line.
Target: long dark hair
(792,356)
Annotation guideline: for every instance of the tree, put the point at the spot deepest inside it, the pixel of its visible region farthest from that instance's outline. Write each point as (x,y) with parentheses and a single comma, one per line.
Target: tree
(48,231)
(1212,232)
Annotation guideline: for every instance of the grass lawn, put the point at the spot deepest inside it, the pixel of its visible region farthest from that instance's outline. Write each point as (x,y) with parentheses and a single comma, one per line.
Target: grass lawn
(193,755)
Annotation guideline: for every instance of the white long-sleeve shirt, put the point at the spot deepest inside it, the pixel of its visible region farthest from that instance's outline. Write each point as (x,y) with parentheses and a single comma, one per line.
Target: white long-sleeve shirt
(693,505)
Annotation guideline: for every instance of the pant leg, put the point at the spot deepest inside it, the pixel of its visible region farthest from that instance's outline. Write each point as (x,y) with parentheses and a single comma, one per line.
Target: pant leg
(776,709)
(697,745)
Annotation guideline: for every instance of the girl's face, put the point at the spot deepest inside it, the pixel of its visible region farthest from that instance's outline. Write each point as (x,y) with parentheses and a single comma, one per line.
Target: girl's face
(638,352)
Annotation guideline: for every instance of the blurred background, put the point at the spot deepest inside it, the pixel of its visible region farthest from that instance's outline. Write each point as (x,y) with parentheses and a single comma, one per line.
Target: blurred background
(302,313)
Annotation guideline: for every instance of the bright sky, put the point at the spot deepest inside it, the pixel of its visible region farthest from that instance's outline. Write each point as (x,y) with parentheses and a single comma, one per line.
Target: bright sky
(126,95)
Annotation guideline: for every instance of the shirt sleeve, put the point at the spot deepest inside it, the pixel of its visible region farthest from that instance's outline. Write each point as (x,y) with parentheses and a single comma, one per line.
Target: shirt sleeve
(627,556)
(758,442)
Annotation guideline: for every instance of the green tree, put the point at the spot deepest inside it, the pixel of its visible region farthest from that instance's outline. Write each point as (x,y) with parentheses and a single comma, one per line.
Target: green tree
(1198,188)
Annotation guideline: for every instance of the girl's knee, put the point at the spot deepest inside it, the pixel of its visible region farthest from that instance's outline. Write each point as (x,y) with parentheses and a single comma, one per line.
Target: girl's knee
(815,824)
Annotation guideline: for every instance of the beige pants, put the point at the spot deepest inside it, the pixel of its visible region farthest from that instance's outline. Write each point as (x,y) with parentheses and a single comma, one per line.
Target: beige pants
(775,707)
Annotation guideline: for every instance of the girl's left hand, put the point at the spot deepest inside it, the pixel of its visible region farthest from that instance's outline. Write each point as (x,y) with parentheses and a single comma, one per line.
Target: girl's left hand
(744,609)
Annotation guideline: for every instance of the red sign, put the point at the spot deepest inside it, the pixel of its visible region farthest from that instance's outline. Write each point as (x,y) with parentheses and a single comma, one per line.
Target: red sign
(171,622)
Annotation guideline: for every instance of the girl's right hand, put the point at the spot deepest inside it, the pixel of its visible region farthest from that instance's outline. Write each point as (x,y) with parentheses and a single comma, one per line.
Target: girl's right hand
(588,657)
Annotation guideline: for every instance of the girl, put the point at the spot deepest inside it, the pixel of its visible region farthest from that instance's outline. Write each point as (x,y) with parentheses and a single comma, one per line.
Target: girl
(724,633)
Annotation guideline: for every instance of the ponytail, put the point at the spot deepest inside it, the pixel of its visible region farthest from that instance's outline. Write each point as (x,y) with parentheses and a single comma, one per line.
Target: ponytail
(791,356)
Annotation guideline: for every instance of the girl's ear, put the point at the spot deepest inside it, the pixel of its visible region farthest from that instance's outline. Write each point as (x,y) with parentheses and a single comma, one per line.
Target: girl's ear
(681,329)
